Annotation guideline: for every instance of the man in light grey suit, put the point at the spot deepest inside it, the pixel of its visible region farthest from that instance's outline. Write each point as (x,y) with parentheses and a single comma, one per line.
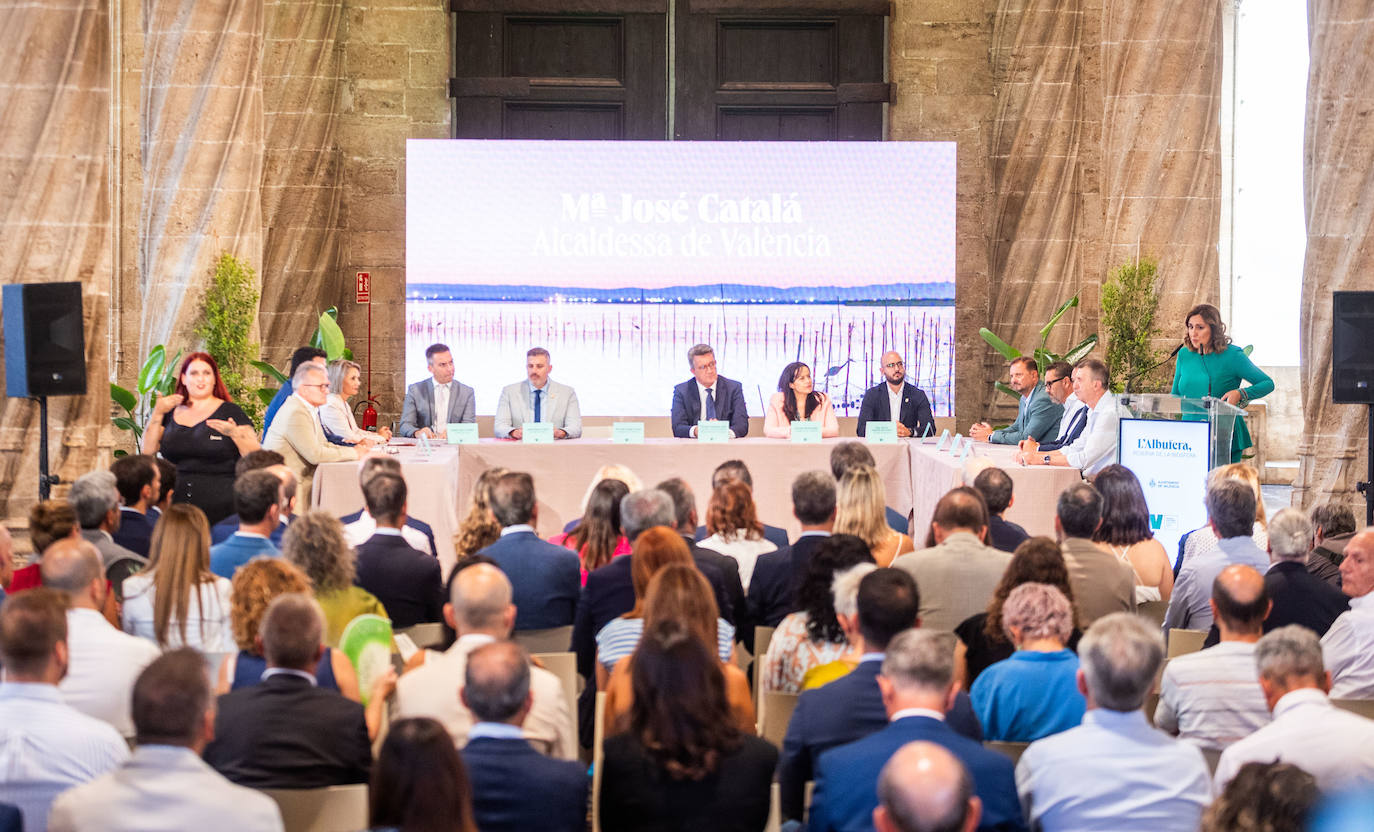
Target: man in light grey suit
(166,785)
(538,400)
(439,394)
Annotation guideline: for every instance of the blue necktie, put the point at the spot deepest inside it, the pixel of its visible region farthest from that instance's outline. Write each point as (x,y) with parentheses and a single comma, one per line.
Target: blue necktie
(329,435)
(710,404)
(537,395)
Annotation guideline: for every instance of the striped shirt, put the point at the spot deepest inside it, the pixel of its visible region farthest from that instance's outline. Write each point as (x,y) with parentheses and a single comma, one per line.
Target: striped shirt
(1212,698)
(619,638)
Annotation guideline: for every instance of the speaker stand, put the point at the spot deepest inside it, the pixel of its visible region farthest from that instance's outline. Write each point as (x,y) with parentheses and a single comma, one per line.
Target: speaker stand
(45,480)
(1367,488)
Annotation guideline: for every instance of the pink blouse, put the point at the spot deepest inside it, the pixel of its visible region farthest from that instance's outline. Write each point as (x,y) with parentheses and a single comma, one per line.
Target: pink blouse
(622,547)
(777,425)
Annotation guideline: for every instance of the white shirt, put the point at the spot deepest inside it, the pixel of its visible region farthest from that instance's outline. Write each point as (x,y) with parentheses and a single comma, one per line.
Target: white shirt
(743,550)
(1095,447)
(103,666)
(365,526)
(1348,650)
(894,401)
(1212,698)
(1332,745)
(338,417)
(441,394)
(207,623)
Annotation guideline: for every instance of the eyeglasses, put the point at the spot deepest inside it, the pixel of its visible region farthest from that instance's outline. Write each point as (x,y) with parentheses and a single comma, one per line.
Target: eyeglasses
(1050,381)
(322,386)
(894,364)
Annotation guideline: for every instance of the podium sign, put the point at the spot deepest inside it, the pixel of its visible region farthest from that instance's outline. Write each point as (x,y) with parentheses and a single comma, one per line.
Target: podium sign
(1171,460)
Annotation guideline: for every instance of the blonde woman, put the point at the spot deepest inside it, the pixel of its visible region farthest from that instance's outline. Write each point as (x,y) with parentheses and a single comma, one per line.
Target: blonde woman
(479,529)
(1204,539)
(315,544)
(345,380)
(861,510)
(177,601)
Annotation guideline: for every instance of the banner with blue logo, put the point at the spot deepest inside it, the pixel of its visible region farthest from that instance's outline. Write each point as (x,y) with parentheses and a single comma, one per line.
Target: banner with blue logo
(1170,458)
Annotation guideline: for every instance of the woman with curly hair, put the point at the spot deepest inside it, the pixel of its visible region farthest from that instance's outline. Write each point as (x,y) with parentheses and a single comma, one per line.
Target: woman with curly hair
(734,529)
(1266,797)
(812,635)
(596,538)
(315,544)
(1210,365)
(479,529)
(177,601)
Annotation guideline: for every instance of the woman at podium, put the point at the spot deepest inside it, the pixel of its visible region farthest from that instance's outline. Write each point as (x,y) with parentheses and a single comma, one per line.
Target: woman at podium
(1210,365)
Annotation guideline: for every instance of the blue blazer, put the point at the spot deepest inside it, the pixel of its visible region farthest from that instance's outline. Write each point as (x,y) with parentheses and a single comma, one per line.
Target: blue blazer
(729,407)
(418,525)
(847,709)
(135,531)
(224,529)
(227,557)
(546,579)
(403,578)
(846,791)
(916,413)
(506,774)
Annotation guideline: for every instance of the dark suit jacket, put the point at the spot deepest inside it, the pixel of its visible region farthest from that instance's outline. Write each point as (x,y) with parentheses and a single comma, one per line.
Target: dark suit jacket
(506,774)
(847,709)
(636,794)
(403,578)
(1005,535)
(896,520)
(418,525)
(546,579)
(11,819)
(846,791)
(224,529)
(1299,598)
(284,733)
(135,531)
(916,413)
(736,610)
(773,534)
(773,587)
(729,407)
(1077,422)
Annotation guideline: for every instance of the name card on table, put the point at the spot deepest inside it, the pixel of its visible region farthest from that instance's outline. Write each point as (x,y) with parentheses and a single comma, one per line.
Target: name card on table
(462,433)
(944,438)
(881,433)
(627,433)
(806,431)
(713,430)
(968,446)
(537,433)
(958,443)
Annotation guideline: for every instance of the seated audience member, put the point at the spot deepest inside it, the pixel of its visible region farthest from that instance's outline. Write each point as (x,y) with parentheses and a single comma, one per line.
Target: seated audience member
(918,687)
(683,763)
(315,545)
(1059,384)
(596,538)
(1114,771)
(256,585)
(419,781)
(1212,697)
(610,471)
(136,478)
(302,355)
(851,707)
(257,461)
(407,581)
(735,469)
(178,601)
(1333,524)
(721,570)
(286,732)
(860,510)
(96,502)
(773,587)
(1333,745)
(734,528)
(1102,583)
(958,574)
(811,636)
(49,522)
(894,399)
(797,400)
(925,787)
(1348,646)
(1264,797)
(1037,413)
(996,487)
(1125,530)
(547,578)
(1095,447)
(359,526)
(48,745)
(982,639)
(167,483)
(479,529)
(480,610)
(845,591)
(166,785)
(1034,693)
(337,415)
(102,662)
(501,763)
(256,501)
(848,455)
(1231,516)
(297,433)
(1204,540)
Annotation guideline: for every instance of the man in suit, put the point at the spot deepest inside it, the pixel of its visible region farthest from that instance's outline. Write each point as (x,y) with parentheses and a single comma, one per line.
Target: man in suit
(360,525)
(438,400)
(772,590)
(257,461)
(1333,527)
(96,502)
(1094,448)
(1059,384)
(500,761)
(302,355)
(851,454)
(851,707)
(136,479)
(735,469)
(538,399)
(284,732)
(406,580)
(922,787)
(917,685)
(257,497)
(959,573)
(298,434)
(996,487)
(896,399)
(166,784)
(547,578)
(736,610)
(1102,583)
(707,396)
(1037,415)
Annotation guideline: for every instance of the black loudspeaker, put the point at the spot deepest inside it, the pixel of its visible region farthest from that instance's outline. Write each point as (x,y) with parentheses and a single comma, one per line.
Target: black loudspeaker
(1352,347)
(45,348)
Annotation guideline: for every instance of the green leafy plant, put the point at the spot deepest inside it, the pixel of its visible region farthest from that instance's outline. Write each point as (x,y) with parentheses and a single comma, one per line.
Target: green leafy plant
(1042,355)
(230,309)
(327,336)
(157,377)
(1130,302)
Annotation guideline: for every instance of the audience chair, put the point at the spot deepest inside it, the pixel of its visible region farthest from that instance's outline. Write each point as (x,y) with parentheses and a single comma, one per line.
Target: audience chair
(1183,642)
(331,809)
(777,712)
(1362,707)
(424,635)
(763,636)
(564,666)
(551,640)
(598,755)
(1153,611)
(1013,750)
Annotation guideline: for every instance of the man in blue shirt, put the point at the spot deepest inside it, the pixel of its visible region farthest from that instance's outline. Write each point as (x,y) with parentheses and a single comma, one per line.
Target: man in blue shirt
(256,499)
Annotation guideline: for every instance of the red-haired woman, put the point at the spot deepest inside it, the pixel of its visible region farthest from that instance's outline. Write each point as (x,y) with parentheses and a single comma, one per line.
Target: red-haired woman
(203,433)
(734,527)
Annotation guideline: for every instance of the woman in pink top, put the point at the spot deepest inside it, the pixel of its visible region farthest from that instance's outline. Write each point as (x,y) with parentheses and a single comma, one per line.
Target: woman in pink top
(596,538)
(797,401)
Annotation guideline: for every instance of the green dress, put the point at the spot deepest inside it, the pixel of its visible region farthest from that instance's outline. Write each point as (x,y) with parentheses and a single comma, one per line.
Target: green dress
(1216,374)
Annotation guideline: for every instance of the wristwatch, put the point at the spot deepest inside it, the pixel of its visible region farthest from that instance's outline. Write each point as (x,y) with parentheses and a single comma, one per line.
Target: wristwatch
(1046,459)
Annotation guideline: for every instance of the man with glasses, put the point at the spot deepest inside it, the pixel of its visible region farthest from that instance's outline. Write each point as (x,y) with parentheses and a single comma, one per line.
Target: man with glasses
(896,399)
(707,396)
(1059,384)
(298,434)
(1037,415)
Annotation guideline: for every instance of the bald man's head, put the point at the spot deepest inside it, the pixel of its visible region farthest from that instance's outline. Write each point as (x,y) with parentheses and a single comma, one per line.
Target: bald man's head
(73,566)
(924,788)
(1357,570)
(1240,600)
(480,601)
(288,487)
